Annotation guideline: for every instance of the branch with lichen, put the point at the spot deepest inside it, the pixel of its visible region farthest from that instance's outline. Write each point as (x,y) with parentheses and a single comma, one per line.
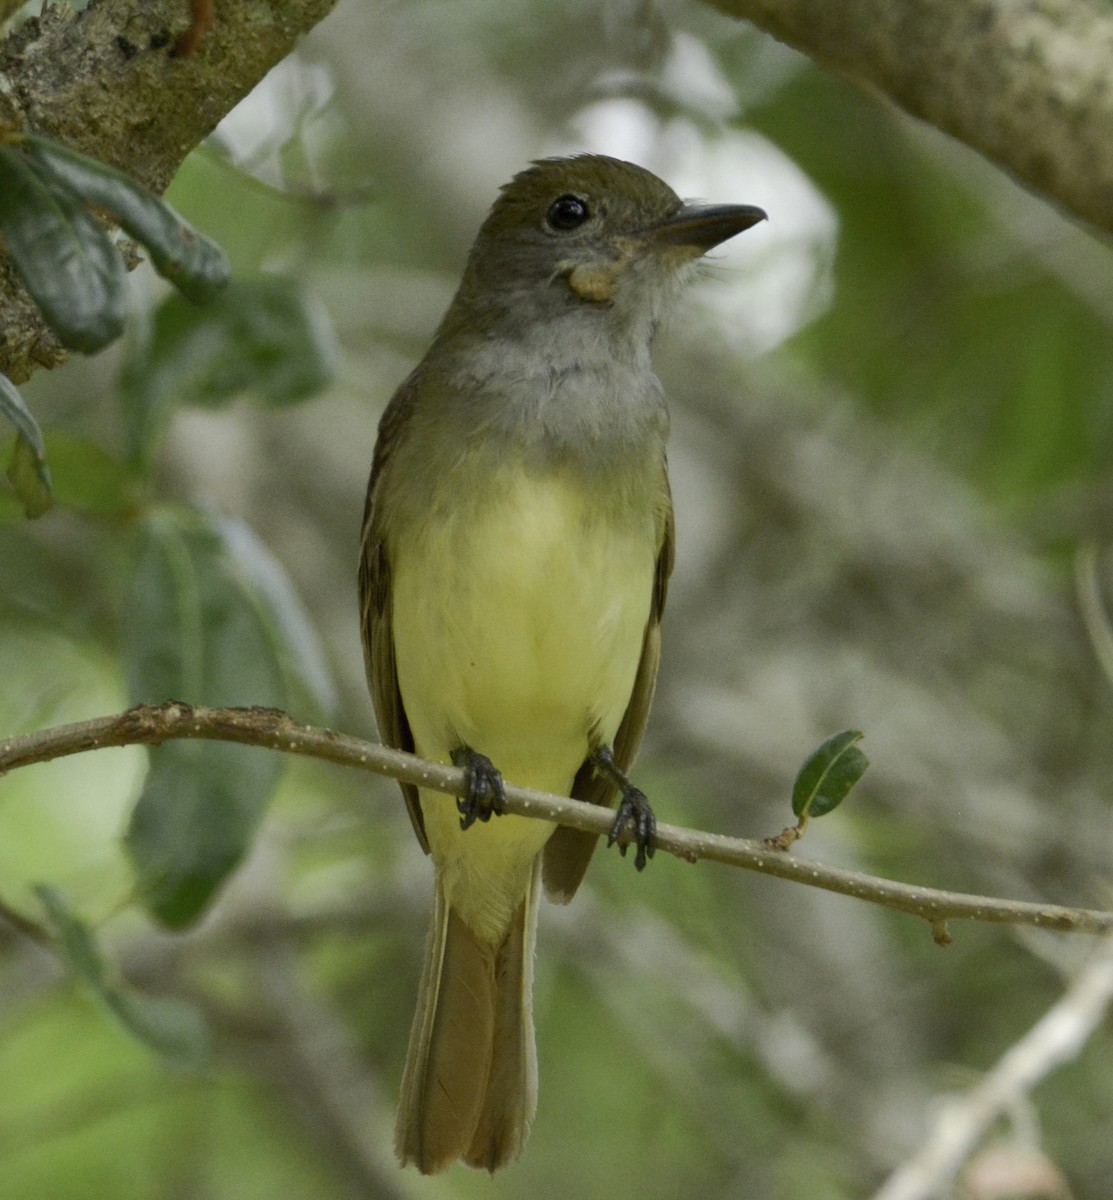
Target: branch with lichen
(1027,85)
(107,82)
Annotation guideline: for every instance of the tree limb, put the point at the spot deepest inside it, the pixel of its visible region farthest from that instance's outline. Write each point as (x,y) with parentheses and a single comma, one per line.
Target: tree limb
(105,81)
(1028,85)
(1057,1037)
(269,727)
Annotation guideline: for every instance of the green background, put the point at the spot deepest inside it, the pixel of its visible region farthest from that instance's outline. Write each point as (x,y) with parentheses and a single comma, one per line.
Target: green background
(891,461)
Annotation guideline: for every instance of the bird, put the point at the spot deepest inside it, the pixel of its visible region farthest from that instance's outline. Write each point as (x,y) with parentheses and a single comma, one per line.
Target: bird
(515,553)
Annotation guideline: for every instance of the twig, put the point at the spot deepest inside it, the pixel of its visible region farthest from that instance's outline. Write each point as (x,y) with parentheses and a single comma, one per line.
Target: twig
(1055,1038)
(276,730)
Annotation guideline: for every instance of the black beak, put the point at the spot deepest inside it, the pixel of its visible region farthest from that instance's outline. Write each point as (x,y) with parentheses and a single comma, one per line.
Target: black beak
(704,226)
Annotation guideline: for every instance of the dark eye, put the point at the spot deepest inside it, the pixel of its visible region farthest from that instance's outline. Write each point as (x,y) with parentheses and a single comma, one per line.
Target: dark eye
(568,212)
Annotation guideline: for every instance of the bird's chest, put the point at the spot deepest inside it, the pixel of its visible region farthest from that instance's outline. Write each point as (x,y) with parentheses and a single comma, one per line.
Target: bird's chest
(521,606)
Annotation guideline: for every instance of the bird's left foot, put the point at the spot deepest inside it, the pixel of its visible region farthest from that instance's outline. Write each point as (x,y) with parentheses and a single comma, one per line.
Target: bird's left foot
(486,794)
(634,809)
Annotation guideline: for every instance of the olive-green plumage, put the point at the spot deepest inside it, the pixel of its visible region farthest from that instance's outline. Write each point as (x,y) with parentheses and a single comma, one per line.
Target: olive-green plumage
(516,549)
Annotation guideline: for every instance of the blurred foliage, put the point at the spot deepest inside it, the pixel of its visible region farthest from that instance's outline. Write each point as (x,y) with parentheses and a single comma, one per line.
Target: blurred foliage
(74,271)
(892,427)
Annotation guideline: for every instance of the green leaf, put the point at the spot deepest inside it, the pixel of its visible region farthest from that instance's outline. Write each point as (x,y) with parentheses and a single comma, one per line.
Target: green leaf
(194,630)
(171,1028)
(13,407)
(200,808)
(265,336)
(27,469)
(828,774)
(75,940)
(174,1029)
(293,636)
(66,260)
(87,478)
(194,264)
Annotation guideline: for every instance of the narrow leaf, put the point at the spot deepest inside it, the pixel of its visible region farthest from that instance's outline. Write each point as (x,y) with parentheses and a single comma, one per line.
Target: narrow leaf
(193,263)
(27,469)
(66,260)
(13,407)
(194,631)
(171,1028)
(75,939)
(294,640)
(828,774)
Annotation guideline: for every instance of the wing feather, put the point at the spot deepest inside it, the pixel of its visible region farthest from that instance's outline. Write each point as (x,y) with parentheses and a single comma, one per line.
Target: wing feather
(376,613)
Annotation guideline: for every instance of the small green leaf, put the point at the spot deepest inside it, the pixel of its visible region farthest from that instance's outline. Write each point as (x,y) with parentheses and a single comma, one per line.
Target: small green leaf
(194,264)
(66,260)
(172,1029)
(87,478)
(27,469)
(13,407)
(29,478)
(194,631)
(75,940)
(197,816)
(828,774)
(265,336)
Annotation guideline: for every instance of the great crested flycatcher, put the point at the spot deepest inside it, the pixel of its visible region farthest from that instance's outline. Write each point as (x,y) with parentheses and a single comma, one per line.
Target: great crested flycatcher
(516,547)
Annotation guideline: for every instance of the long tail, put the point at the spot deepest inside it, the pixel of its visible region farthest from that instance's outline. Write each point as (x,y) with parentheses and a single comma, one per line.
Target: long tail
(470,1085)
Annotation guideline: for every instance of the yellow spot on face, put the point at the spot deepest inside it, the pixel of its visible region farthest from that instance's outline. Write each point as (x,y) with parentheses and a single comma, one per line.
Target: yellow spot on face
(595,284)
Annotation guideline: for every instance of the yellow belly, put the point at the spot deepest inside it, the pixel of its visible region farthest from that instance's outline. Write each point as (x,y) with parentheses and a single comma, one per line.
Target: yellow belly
(518,628)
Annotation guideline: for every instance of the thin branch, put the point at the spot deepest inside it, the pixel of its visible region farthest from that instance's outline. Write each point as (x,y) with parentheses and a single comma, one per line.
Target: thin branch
(148,725)
(1056,1038)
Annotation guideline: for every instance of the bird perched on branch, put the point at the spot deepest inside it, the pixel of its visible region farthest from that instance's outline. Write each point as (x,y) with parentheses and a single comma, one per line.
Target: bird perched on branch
(516,549)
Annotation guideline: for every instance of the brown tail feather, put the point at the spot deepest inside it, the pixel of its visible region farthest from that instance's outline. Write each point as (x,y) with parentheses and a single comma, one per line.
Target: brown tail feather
(511,1097)
(450,1046)
(469,1089)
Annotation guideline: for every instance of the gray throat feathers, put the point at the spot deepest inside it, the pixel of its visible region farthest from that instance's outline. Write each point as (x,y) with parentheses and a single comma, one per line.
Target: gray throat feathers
(559,394)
